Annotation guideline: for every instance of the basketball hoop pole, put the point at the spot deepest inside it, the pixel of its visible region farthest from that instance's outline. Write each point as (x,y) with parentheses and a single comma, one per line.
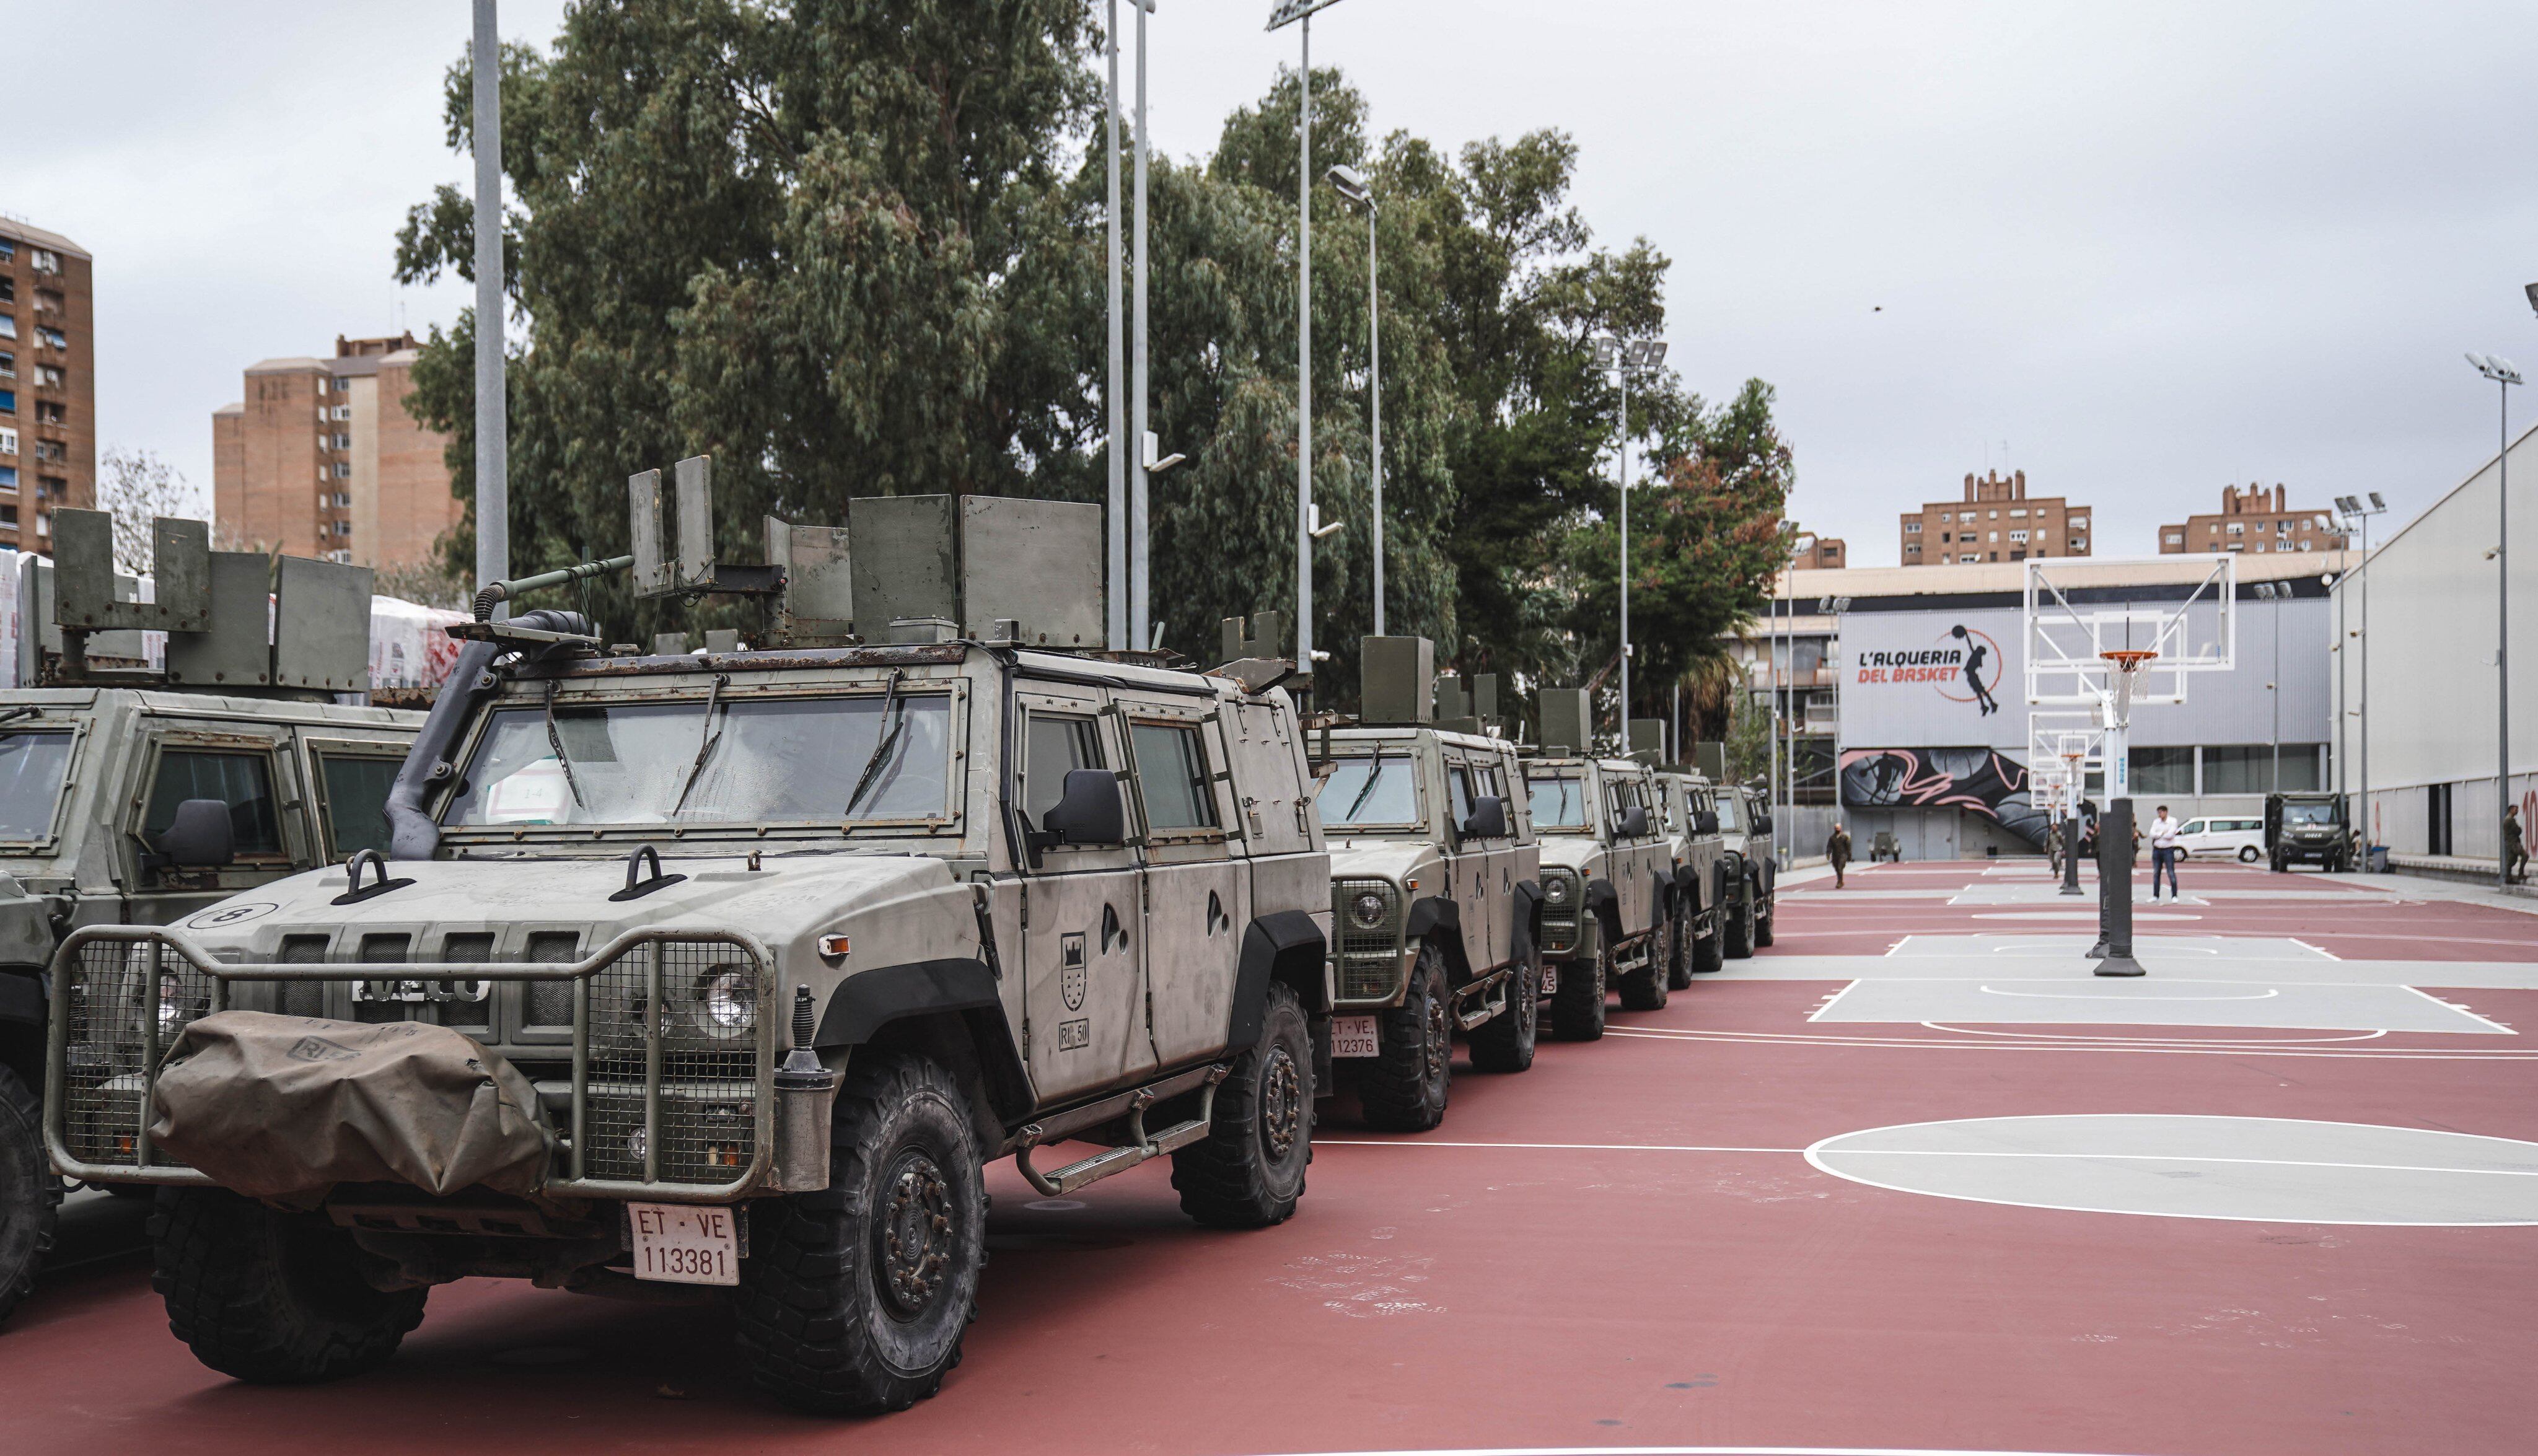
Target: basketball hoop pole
(2115,826)
(2074,778)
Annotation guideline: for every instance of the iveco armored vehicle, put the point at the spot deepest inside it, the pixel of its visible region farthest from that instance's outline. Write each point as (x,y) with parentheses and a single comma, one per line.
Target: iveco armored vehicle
(732,969)
(138,795)
(1434,892)
(2307,829)
(1745,821)
(1607,880)
(1688,804)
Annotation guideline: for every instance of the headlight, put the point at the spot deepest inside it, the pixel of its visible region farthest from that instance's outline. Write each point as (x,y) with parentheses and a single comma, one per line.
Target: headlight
(727,1001)
(1554,891)
(1369,911)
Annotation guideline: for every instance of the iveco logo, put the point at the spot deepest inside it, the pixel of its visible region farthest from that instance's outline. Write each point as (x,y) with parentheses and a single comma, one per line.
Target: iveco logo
(214,919)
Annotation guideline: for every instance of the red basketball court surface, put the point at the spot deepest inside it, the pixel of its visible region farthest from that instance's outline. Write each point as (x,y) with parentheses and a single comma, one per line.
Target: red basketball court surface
(1908,1181)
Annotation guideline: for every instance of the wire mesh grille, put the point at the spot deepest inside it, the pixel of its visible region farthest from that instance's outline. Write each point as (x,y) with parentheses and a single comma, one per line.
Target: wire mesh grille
(699,1000)
(1560,922)
(1369,960)
(127,1002)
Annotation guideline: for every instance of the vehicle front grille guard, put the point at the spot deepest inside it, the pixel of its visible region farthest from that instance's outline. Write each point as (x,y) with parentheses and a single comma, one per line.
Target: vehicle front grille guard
(1370,960)
(1560,922)
(663,1106)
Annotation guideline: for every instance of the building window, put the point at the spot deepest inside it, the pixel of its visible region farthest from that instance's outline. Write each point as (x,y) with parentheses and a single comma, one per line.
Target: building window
(2248,768)
(343,499)
(8,326)
(344,471)
(45,260)
(343,442)
(2162,771)
(1911,528)
(7,443)
(51,338)
(48,376)
(44,523)
(342,412)
(2079,524)
(9,366)
(2018,513)
(8,401)
(1991,535)
(46,411)
(2237,528)
(8,476)
(8,252)
(2175,538)
(2017,536)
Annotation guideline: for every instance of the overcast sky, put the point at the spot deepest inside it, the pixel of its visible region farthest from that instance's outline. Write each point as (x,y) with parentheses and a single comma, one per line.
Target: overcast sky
(2137,250)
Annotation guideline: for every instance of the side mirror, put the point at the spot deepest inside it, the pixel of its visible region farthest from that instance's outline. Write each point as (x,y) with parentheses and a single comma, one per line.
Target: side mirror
(1488,819)
(1089,811)
(1705,822)
(1635,822)
(198,838)
(1761,823)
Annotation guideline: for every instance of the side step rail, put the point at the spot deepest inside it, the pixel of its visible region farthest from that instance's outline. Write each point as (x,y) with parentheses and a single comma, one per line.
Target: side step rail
(1141,1146)
(1477,1002)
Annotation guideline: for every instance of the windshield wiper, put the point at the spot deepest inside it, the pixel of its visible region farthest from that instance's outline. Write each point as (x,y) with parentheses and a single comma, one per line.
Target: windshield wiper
(555,741)
(707,737)
(1375,770)
(880,751)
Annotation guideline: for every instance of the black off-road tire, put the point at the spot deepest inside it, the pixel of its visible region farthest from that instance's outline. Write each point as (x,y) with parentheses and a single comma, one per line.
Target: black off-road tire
(1679,964)
(1766,913)
(1577,1007)
(1738,927)
(31,1197)
(1645,990)
(1505,1042)
(854,1299)
(1248,1171)
(1709,951)
(271,1298)
(1403,1088)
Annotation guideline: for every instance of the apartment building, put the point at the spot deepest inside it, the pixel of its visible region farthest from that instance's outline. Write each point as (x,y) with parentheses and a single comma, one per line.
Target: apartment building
(322,458)
(1811,551)
(2255,521)
(1996,521)
(47,382)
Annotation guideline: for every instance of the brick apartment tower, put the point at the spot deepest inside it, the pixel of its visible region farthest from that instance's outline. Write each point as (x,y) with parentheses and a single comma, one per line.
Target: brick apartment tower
(321,458)
(47,382)
(1813,553)
(1997,521)
(2256,521)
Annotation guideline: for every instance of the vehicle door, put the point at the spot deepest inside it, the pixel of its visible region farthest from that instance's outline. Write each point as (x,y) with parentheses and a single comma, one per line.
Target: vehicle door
(1083,935)
(1467,858)
(346,809)
(1197,898)
(1624,868)
(243,765)
(1520,855)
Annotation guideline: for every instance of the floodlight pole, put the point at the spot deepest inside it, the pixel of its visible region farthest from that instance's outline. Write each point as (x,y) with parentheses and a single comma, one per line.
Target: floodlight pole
(2360,514)
(1140,630)
(493,413)
(1116,516)
(1300,13)
(2504,376)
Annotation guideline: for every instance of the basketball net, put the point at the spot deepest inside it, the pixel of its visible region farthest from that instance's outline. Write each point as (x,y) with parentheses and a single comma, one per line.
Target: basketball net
(2126,662)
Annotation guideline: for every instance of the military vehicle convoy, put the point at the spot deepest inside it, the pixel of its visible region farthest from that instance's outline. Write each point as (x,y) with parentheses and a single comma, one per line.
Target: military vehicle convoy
(2307,829)
(1745,822)
(134,795)
(1434,892)
(1606,887)
(1688,806)
(775,949)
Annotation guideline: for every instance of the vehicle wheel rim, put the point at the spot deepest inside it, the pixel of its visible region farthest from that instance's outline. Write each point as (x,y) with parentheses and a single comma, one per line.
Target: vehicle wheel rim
(914,1233)
(1281,1104)
(1439,1039)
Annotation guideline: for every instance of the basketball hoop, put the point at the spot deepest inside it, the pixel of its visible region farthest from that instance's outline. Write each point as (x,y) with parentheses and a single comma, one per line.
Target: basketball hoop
(2126,661)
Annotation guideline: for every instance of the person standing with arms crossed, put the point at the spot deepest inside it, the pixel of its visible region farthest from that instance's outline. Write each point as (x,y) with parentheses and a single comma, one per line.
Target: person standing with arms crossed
(2163,852)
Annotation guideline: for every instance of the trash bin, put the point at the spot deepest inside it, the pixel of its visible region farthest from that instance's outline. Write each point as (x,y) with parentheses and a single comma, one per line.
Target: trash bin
(2378,859)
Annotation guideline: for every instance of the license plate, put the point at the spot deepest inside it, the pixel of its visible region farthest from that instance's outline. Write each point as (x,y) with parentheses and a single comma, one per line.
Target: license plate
(1354,1036)
(683,1244)
(1549,977)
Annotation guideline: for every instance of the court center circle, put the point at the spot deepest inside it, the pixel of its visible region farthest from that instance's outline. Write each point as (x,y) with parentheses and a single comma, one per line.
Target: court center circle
(2264,1170)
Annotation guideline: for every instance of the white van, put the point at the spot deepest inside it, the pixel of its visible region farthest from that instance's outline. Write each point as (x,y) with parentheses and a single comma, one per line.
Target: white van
(2215,837)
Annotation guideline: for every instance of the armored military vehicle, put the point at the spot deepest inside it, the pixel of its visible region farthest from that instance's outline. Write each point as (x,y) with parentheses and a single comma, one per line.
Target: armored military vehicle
(1434,890)
(1745,822)
(139,795)
(1688,806)
(2307,829)
(1606,887)
(732,969)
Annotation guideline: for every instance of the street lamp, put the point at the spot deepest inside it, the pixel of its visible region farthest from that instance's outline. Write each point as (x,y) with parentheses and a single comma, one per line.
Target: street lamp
(493,419)
(1625,358)
(1833,607)
(1352,185)
(2504,376)
(2356,516)
(2276,591)
(1301,13)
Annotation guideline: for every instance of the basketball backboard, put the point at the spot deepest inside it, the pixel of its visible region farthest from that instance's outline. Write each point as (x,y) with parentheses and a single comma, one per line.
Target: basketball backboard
(2172,617)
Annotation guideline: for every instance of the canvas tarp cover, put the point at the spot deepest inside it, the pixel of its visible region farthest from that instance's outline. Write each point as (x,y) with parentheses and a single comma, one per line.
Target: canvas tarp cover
(277,1106)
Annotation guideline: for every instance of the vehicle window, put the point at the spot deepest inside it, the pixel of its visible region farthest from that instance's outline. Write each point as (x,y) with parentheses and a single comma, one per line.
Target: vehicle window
(1558,804)
(32,765)
(1377,789)
(2192,826)
(1731,813)
(1459,787)
(754,762)
(242,781)
(357,801)
(1172,768)
(2251,826)
(1057,746)
(2312,815)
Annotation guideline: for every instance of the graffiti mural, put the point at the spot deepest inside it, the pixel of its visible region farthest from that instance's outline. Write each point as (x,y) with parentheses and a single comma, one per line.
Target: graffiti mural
(1975,778)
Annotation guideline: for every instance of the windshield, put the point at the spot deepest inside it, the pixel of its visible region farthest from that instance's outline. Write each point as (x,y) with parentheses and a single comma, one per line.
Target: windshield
(2309,816)
(32,765)
(1728,812)
(752,761)
(1558,804)
(1381,790)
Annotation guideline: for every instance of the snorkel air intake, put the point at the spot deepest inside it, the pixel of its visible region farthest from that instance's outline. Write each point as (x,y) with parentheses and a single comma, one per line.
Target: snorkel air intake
(411,833)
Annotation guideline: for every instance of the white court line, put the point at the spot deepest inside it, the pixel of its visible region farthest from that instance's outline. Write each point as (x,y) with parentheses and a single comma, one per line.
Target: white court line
(2461,1010)
(2290,1041)
(1833,1000)
(2306,946)
(1699,1451)
(2080,1044)
(2377,1167)
(2267,994)
(1541,1147)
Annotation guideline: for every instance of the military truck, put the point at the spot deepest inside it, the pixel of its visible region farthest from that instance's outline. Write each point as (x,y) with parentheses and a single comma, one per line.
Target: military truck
(1606,889)
(1434,889)
(1745,822)
(138,795)
(1688,804)
(729,971)
(2307,829)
